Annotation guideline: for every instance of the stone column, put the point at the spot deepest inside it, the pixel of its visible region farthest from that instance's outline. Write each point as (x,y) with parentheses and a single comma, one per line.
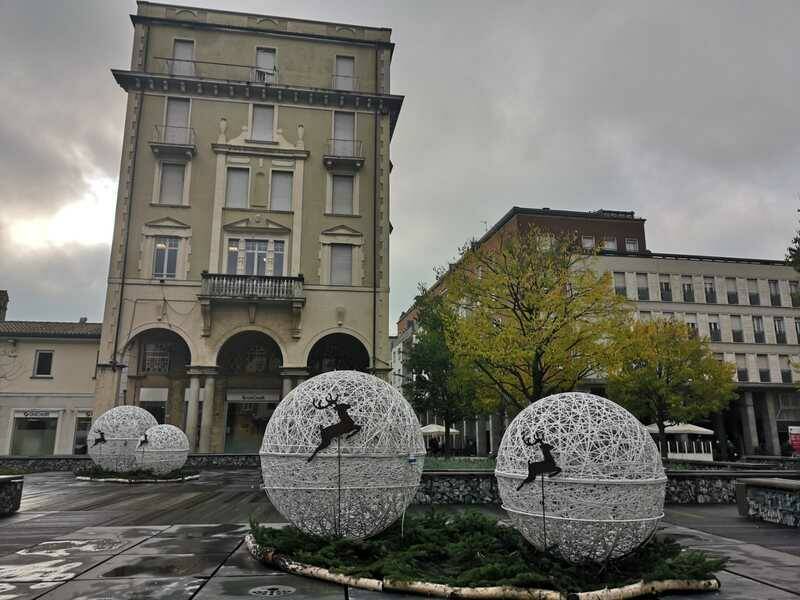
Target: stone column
(480,436)
(208,415)
(496,424)
(192,411)
(286,386)
(719,429)
(771,424)
(749,428)
(292,377)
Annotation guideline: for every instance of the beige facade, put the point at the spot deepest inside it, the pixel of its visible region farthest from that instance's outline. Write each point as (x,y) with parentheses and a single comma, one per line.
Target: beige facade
(46,386)
(252,228)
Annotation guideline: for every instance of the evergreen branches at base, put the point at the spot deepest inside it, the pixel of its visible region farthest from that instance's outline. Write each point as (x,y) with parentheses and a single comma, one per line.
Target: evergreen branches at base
(470,551)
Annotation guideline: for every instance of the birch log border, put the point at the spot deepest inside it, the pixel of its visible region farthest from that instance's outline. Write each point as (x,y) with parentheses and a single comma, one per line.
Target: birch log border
(271,557)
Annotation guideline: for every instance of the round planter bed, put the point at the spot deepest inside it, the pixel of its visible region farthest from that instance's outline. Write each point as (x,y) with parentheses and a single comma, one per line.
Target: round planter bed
(10,493)
(478,559)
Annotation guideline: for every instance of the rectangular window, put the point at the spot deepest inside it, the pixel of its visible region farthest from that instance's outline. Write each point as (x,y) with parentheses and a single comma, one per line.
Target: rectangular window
(344,131)
(280,191)
(171,191)
(758,330)
(609,243)
(691,324)
(619,284)
(733,294)
(262,123)
(341,264)
(752,292)
(237,188)
(774,293)
(156,358)
(736,328)
(642,288)
(741,368)
(797,329)
(342,195)
(233,256)
(794,293)
(780,330)
(710,290)
(665,287)
(265,65)
(183,58)
(43,366)
(587,242)
(82,427)
(763,368)
(34,436)
(631,245)
(786,368)
(255,257)
(277,258)
(344,78)
(687,288)
(176,130)
(714,331)
(165,259)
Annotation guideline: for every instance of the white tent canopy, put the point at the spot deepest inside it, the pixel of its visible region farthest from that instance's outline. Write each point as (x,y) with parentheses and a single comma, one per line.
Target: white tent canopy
(687,428)
(434,429)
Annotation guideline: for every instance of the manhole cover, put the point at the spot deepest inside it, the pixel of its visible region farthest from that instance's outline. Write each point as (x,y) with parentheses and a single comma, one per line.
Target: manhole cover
(272,591)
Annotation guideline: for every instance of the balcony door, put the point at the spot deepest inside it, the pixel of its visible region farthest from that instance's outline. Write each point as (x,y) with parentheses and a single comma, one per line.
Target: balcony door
(183,58)
(344,130)
(265,65)
(177,121)
(344,78)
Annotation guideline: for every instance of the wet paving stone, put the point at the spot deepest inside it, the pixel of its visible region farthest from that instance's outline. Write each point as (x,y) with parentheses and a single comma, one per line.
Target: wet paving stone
(122,532)
(162,545)
(270,586)
(31,568)
(242,564)
(25,591)
(129,566)
(75,547)
(178,588)
(216,530)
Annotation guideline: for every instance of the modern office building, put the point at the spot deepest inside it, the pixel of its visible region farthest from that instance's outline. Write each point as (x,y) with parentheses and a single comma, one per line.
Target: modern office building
(46,384)
(748,308)
(251,242)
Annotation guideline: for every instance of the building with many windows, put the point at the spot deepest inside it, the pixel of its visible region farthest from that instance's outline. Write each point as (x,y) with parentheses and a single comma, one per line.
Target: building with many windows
(46,385)
(251,241)
(748,308)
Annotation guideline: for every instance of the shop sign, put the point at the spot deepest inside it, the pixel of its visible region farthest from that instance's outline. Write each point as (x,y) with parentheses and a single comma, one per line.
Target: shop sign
(247,396)
(794,438)
(39,413)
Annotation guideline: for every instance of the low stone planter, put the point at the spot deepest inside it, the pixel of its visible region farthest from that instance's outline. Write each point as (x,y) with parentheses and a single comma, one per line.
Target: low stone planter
(772,499)
(10,493)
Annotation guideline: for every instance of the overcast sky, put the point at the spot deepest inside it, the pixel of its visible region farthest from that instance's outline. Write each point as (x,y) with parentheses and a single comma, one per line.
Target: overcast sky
(685,112)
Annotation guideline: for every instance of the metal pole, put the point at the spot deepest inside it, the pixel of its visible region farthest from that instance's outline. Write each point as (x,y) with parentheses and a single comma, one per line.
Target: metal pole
(544,520)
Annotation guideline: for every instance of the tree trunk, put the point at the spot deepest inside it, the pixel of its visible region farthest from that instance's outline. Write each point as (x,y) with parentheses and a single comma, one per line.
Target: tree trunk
(447,438)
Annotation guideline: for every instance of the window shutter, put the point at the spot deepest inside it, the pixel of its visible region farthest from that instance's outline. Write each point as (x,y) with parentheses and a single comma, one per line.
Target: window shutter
(183,53)
(177,121)
(171,184)
(281,191)
(237,188)
(262,123)
(344,124)
(341,264)
(342,196)
(345,69)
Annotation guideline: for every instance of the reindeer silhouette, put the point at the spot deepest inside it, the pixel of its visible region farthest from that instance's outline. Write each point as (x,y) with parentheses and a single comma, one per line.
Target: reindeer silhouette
(143,441)
(346,425)
(547,466)
(99,440)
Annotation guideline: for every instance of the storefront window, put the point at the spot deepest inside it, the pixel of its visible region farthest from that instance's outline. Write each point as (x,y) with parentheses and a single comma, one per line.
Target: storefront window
(82,426)
(156,408)
(34,436)
(245,426)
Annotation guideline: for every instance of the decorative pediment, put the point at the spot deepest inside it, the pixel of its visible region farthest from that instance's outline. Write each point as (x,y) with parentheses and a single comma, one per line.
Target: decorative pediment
(342,230)
(168,222)
(256,223)
(342,234)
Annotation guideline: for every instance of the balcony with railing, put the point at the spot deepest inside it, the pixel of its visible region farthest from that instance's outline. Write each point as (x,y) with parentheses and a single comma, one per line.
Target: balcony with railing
(345,83)
(344,154)
(215,71)
(252,288)
(171,140)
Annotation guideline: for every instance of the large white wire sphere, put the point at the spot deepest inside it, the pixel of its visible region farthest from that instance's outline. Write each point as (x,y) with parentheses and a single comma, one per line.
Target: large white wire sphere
(114,437)
(357,486)
(162,449)
(609,495)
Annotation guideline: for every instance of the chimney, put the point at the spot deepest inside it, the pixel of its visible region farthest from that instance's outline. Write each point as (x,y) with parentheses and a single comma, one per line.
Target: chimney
(83,320)
(3,304)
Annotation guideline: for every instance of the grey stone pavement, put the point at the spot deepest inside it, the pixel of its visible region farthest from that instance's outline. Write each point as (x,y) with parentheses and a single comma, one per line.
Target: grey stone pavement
(76,540)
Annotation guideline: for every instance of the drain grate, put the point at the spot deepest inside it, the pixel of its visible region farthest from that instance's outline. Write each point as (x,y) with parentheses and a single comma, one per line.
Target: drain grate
(272,591)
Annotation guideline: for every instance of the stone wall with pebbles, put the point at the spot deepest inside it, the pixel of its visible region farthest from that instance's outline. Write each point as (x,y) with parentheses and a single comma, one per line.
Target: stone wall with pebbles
(775,500)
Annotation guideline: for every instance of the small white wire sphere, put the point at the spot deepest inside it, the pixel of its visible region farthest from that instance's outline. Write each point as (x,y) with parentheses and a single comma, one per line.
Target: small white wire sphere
(162,449)
(114,437)
(609,495)
(354,490)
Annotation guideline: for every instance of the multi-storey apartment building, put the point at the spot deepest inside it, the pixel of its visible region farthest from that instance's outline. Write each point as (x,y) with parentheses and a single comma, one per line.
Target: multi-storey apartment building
(748,308)
(251,242)
(46,384)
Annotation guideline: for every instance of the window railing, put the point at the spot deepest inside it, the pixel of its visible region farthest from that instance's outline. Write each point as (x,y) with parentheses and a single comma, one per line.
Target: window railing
(733,298)
(786,375)
(742,375)
(620,290)
(738,335)
(666,295)
(688,293)
(775,299)
(780,337)
(343,148)
(169,134)
(200,69)
(795,299)
(715,335)
(156,362)
(755,299)
(711,296)
(346,83)
(257,287)
(759,337)
(643,293)
(763,375)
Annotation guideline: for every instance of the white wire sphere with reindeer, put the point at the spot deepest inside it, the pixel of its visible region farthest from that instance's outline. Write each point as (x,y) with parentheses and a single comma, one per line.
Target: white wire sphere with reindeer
(599,471)
(342,455)
(114,437)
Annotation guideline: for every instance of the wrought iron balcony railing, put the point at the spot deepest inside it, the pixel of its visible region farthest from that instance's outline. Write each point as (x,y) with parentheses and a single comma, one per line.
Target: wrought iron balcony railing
(342,153)
(169,134)
(201,69)
(346,83)
(267,288)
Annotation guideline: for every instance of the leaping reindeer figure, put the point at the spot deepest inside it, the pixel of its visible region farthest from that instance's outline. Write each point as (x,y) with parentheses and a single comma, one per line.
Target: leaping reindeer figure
(547,466)
(346,425)
(99,440)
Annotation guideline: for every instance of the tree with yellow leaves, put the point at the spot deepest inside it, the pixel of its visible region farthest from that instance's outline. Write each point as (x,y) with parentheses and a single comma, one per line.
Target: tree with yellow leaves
(665,373)
(535,318)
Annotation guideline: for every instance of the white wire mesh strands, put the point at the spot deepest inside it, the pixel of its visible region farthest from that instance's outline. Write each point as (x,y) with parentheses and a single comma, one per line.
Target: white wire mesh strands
(162,449)
(351,490)
(609,495)
(114,437)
